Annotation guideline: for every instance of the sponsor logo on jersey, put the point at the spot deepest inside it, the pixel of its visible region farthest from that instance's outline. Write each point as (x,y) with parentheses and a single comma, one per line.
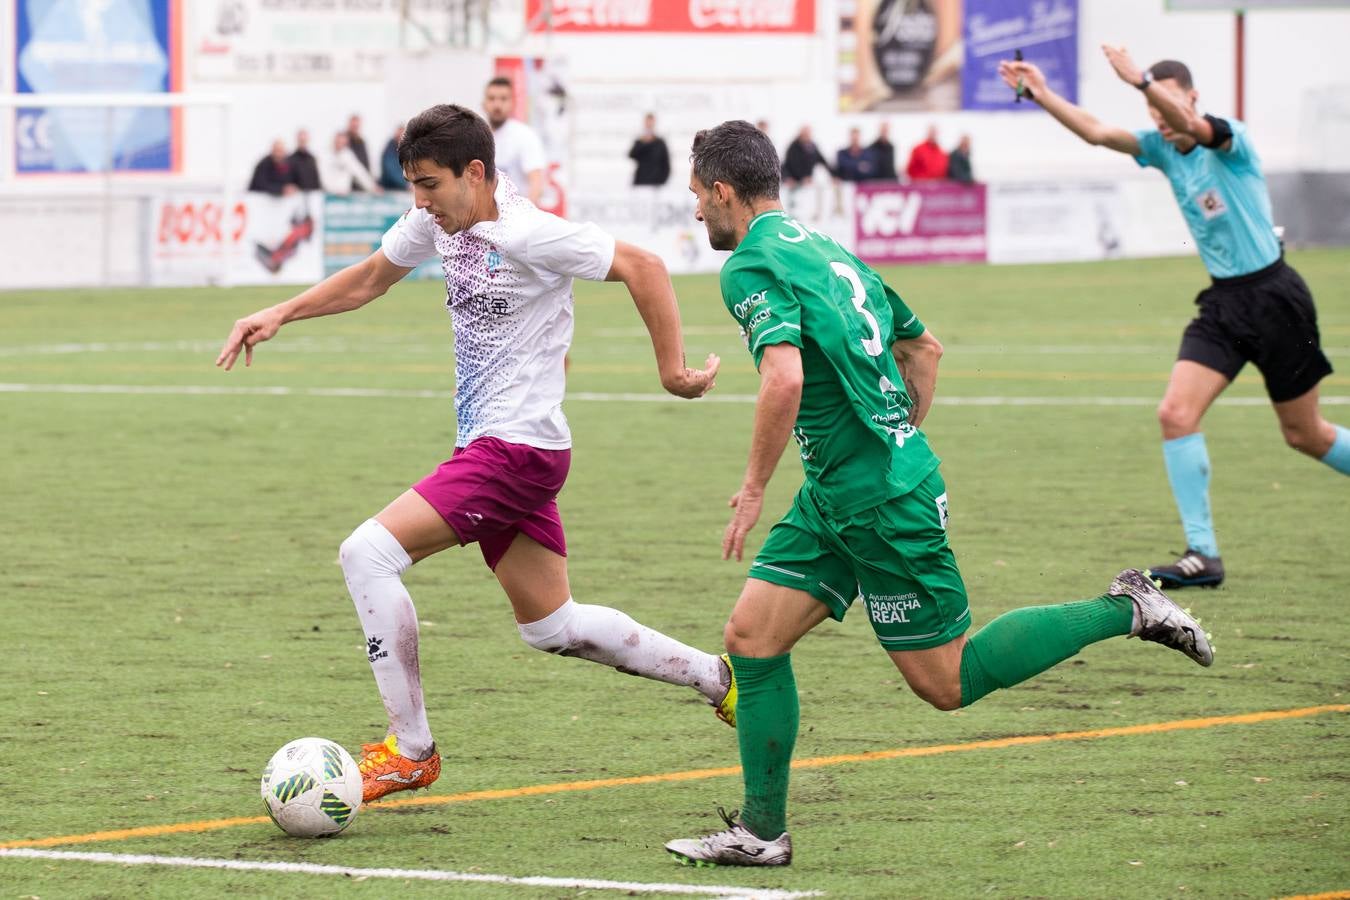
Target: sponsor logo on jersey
(758,298)
(1211,204)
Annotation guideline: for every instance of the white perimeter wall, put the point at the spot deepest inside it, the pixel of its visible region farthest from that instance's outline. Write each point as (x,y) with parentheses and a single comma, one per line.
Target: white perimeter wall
(1295,76)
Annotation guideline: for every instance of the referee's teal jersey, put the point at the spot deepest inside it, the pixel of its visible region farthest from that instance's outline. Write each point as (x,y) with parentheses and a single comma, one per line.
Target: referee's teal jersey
(1223,196)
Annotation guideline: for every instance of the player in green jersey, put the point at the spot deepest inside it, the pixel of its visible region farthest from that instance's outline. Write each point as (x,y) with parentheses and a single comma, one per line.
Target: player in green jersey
(849,371)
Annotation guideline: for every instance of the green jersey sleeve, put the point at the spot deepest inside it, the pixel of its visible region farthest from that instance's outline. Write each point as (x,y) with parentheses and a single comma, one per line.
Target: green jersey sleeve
(907,324)
(767,311)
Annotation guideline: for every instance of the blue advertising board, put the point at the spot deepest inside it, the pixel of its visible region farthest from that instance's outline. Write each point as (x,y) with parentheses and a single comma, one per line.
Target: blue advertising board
(1046,31)
(72,47)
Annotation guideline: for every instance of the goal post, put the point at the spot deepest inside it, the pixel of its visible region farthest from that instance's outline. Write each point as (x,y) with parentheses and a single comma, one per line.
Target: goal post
(80,175)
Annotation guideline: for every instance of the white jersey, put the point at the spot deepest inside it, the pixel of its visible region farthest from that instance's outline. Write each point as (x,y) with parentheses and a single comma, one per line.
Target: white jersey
(509,293)
(519,151)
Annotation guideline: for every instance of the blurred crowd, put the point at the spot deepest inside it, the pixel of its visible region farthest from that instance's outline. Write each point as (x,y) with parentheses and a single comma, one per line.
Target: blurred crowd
(344,167)
(856,161)
(877,161)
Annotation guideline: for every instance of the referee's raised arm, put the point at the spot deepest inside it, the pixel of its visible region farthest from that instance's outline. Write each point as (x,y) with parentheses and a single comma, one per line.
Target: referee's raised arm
(1027,76)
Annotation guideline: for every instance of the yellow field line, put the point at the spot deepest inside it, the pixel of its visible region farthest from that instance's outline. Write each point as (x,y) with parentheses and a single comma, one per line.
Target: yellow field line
(699,774)
(1331,895)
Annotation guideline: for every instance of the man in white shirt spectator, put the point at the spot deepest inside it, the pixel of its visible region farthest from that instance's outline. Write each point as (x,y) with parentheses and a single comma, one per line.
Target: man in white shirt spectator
(520,152)
(343,170)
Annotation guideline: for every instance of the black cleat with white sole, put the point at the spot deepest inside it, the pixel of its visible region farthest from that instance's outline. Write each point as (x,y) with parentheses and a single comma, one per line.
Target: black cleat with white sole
(737,846)
(1158,619)
(1192,569)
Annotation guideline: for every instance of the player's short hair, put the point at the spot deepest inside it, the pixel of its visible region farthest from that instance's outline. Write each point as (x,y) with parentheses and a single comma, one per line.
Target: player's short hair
(1171,70)
(502,81)
(450,136)
(739,155)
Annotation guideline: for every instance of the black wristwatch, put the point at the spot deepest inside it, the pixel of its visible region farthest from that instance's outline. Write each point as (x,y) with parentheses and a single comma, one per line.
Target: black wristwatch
(1145,81)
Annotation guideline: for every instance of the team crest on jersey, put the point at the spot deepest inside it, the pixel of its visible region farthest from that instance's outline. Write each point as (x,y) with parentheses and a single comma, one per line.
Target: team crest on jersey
(494,261)
(1211,204)
(941,502)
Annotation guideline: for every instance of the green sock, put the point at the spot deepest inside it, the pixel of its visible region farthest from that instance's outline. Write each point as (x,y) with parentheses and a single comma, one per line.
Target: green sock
(766,726)
(1027,641)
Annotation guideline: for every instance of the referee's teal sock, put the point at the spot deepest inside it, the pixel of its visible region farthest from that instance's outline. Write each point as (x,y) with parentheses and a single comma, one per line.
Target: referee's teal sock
(1027,641)
(1338,457)
(1187,460)
(767,713)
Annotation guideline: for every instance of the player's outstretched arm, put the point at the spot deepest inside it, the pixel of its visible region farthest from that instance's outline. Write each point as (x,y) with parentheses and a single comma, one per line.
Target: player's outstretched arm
(780,396)
(1028,76)
(349,289)
(645,276)
(917,359)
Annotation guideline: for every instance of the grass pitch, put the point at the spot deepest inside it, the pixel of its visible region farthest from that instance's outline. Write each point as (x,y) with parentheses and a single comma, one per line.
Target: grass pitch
(174,611)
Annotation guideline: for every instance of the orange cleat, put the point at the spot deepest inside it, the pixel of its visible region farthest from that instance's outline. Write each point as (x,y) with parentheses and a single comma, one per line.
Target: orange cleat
(384,771)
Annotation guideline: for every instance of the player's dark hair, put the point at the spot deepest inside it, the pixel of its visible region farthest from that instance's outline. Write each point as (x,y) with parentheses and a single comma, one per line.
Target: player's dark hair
(502,81)
(1171,70)
(740,156)
(450,136)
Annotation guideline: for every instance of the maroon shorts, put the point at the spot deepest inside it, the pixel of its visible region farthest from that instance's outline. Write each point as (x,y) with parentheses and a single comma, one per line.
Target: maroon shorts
(492,490)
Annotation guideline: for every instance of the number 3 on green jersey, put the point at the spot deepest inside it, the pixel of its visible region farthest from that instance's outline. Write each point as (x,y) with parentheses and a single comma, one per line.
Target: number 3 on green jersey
(786,283)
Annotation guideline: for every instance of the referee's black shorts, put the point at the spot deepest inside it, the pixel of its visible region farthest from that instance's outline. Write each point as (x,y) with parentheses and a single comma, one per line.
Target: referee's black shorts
(1267,318)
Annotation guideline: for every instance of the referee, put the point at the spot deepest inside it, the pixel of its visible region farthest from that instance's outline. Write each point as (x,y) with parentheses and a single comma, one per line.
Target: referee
(1256,308)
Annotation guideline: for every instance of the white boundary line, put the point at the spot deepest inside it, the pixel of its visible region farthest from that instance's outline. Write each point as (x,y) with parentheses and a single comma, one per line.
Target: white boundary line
(302,344)
(584,396)
(722,892)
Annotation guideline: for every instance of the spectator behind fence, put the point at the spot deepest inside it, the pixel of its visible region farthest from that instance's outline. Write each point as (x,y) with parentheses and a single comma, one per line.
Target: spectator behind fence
(520,152)
(304,167)
(358,147)
(344,172)
(883,155)
(650,153)
(391,173)
(272,174)
(926,160)
(855,162)
(802,158)
(958,162)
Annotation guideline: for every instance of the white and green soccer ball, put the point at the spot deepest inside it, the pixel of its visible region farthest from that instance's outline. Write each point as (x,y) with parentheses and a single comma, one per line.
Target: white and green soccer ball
(311,788)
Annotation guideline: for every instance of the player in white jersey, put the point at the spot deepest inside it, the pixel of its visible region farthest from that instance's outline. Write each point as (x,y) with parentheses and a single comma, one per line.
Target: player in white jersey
(508,270)
(520,152)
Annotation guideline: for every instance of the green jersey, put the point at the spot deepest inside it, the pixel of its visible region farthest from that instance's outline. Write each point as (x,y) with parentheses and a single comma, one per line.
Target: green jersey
(789,284)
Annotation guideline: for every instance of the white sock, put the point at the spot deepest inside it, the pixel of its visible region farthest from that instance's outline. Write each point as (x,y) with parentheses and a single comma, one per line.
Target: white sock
(373,561)
(612,638)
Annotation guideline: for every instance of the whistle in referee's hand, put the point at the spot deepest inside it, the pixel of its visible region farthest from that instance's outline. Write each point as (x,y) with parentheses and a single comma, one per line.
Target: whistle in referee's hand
(1017,55)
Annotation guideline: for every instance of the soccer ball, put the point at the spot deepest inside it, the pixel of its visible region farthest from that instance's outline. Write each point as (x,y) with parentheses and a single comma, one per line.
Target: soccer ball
(311,788)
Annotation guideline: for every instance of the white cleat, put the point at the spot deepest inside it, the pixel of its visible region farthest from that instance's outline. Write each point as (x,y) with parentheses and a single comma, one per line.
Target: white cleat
(737,846)
(1158,619)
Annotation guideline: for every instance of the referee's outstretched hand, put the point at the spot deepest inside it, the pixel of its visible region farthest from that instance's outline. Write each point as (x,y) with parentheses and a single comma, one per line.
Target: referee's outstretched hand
(1021,74)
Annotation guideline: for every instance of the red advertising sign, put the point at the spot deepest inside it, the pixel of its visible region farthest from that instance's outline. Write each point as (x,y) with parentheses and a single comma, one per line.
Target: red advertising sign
(929,221)
(694,16)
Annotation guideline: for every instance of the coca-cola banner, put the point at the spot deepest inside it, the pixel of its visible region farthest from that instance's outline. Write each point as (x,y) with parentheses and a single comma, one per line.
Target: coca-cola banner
(928,221)
(700,16)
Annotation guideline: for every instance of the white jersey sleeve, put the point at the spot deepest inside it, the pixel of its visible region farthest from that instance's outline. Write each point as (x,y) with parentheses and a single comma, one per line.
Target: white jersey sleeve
(411,240)
(577,251)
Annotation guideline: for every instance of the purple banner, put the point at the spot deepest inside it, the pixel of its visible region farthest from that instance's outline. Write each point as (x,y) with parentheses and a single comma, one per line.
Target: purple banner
(928,221)
(1046,31)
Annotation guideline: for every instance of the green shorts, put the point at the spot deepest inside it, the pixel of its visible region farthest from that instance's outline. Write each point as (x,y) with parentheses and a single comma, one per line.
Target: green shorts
(895,555)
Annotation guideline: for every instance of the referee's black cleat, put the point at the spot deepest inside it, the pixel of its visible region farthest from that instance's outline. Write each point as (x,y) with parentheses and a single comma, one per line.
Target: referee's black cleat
(1193,569)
